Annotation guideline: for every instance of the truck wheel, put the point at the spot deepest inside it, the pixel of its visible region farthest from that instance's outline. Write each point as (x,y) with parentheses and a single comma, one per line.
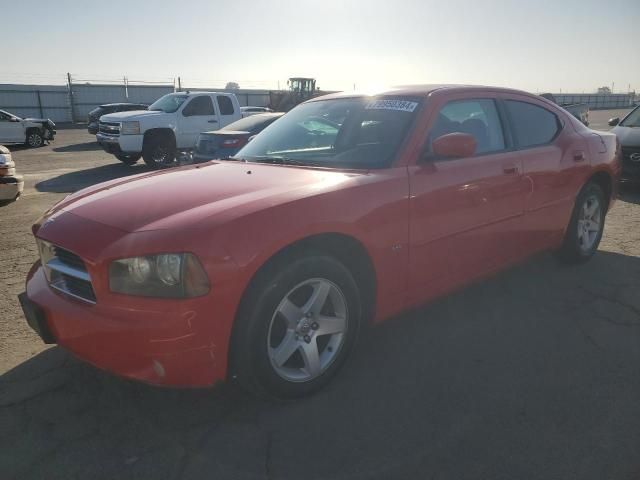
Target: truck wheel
(585,228)
(296,327)
(128,159)
(159,151)
(34,138)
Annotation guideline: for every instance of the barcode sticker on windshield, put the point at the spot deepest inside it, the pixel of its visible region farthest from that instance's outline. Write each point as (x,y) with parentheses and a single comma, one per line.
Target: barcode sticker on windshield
(402,105)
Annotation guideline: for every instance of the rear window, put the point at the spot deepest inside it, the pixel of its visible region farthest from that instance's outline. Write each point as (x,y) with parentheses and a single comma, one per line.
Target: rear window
(532,125)
(226,105)
(250,124)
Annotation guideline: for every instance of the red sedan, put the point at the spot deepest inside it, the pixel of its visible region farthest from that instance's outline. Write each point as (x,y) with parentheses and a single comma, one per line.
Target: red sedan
(346,211)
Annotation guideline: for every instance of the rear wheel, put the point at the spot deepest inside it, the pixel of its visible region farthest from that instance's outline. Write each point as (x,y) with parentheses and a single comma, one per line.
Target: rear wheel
(128,159)
(585,228)
(159,151)
(296,327)
(34,138)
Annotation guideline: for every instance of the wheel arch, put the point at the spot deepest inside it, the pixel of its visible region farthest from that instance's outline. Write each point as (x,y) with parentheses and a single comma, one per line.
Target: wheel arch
(604,180)
(155,132)
(343,247)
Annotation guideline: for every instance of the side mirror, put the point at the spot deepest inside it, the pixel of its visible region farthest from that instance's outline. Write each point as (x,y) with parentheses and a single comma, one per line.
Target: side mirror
(454,145)
(614,121)
(14,119)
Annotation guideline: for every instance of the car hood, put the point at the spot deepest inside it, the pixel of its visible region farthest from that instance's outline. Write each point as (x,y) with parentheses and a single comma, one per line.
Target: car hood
(186,196)
(131,115)
(628,136)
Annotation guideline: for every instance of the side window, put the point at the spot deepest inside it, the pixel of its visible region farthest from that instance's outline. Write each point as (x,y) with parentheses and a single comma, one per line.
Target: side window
(4,117)
(226,105)
(199,106)
(532,125)
(474,117)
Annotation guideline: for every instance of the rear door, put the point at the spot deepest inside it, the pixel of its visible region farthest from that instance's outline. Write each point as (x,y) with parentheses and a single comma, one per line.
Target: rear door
(227,109)
(465,213)
(555,160)
(197,116)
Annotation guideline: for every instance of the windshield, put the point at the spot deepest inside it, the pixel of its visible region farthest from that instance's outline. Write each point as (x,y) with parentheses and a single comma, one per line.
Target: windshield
(349,132)
(633,119)
(169,103)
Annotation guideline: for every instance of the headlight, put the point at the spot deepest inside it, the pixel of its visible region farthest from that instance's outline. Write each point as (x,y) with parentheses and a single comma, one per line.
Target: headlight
(168,275)
(130,128)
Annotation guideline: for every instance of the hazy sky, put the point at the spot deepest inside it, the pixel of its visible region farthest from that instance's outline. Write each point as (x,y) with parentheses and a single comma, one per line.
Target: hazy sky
(536,45)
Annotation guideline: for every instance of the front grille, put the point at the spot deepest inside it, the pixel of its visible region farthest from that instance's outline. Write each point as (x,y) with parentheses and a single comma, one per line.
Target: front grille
(110,128)
(68,258)
(67,272)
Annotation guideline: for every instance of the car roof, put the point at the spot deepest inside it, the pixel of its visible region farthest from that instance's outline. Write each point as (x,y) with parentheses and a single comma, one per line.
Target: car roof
(418,91)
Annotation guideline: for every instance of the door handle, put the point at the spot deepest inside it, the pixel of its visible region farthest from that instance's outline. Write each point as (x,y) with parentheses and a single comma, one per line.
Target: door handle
(212,121)
(510,170)
(578,156)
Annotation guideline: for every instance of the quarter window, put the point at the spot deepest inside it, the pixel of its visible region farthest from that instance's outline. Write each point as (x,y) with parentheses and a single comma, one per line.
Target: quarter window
(478,118)
(532,125)
(226,106)
(199,106)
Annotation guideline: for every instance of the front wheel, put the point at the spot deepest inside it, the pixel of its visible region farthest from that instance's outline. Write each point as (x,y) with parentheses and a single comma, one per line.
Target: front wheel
(296,327)
(128,159)
(159,151)
(35,139)
(585,228)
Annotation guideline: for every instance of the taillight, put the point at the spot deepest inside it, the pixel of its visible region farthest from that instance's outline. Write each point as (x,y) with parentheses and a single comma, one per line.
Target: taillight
(234,142)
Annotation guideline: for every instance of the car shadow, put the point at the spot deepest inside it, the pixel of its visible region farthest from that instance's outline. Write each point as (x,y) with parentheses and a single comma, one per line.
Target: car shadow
(74,181)
(521,373)
(78,147)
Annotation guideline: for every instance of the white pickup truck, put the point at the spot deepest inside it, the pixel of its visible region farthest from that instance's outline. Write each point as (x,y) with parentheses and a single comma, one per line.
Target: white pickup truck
(172,123)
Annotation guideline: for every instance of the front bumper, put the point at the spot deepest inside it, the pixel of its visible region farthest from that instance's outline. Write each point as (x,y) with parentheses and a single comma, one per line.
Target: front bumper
(116,144)
(163,345)
(11,187)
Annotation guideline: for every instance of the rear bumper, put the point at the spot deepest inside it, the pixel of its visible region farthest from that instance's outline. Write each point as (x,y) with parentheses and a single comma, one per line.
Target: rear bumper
(11,187)
(160,346)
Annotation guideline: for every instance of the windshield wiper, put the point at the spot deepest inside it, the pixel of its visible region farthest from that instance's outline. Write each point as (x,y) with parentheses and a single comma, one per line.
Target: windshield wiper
(278,160)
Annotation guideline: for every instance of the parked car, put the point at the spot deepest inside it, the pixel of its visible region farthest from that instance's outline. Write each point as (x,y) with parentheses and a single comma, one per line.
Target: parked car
(95,114)
(346,211)
(172,123)
(33,132)
(230,139)
(248,111)
(578,110)
(11,184)
(628,132)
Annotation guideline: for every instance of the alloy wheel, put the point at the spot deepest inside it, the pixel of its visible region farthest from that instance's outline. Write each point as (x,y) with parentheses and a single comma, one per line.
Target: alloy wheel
(589,223)
(34,140)
(307,330)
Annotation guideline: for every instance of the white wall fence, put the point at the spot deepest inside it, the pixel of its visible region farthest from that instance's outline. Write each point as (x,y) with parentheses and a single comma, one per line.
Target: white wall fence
(63,104)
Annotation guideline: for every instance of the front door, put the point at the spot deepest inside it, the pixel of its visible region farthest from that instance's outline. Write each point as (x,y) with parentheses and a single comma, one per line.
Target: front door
(197,116)
(465,213)
(11,131)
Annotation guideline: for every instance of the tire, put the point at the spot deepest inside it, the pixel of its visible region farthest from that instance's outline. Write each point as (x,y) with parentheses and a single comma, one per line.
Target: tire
(34,138)
(159,151)
(272,353)
(128,159)
(585,228)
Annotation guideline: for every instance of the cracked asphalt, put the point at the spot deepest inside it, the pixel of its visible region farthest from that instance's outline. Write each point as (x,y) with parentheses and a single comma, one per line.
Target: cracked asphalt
(534,373)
